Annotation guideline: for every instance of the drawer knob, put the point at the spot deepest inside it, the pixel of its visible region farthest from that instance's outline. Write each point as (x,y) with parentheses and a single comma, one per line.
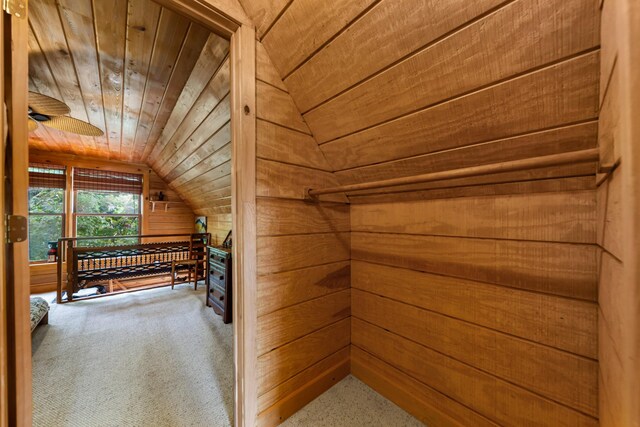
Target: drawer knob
(221,297)
(221,277)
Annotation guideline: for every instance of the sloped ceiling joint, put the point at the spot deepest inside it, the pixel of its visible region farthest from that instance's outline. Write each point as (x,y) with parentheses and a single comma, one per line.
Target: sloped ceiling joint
(391,97)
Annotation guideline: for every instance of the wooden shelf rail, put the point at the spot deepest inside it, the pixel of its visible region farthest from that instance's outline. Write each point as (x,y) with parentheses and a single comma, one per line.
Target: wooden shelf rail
(573,157)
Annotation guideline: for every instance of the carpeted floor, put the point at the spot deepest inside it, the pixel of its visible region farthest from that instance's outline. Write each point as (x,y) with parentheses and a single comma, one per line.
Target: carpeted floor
(351,403)
(150,358)
(161,358)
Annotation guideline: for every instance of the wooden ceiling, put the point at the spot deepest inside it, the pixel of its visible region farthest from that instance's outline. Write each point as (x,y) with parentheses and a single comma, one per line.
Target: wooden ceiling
(121,65)
(394,88)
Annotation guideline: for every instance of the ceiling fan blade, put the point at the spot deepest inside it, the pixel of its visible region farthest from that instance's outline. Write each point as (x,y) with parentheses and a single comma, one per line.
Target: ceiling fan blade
(46,105)
(32,125)
(69,124)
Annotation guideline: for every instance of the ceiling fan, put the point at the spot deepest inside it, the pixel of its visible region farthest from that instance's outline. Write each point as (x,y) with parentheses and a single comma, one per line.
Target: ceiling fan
(52,113)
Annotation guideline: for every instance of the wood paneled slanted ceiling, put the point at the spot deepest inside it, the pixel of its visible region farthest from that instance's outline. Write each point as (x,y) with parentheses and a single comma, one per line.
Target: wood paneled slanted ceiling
(193,152)
(119,64)
(393,88)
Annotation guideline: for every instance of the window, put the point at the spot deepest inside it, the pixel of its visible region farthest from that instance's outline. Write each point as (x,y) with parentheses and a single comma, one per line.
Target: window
(107,203)
(46,208)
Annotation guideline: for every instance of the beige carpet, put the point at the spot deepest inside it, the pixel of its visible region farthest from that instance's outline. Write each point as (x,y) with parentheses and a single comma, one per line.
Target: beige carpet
(149,358)
(351,403)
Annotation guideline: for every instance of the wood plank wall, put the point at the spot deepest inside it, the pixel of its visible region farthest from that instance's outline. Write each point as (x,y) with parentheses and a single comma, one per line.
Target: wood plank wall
(193,152)
(618,219)
(448,85)
(303,255)
(178,218)
(474,301)
(479,309)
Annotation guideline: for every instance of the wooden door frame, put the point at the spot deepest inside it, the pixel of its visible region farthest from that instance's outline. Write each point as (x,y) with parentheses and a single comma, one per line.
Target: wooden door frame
(227,19)
(15,84)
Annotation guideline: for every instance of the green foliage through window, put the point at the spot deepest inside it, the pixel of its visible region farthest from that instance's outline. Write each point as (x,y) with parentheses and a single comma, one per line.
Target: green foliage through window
(46,208)
(94,202)
(103,214)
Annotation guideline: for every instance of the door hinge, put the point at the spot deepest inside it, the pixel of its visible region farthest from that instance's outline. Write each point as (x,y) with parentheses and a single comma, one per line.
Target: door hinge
(17,230)
(17,8)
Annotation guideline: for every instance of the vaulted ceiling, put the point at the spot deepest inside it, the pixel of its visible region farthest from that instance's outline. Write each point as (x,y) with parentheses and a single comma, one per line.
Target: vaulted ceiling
(393,88)
(122,65)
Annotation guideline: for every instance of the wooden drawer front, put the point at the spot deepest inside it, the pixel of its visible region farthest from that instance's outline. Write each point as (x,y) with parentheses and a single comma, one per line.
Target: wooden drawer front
(217,258)
(217,275)
(216,295)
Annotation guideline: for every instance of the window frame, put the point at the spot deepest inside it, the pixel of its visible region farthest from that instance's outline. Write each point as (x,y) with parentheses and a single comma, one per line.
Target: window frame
(70,163)
(62,215)
(75,214)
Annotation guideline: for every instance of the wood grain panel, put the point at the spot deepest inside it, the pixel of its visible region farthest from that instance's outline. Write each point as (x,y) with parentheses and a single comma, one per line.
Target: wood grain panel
(209,138)
(608,44)
(423,402)
(191,188)
(556,217)
(142,15)
(498,400)
(611,325)
(265,71)
(77,21)
(263,12)
(39,78)
(283,363)
(463,62)
(562,377)
(276,106)
(52,40)
(288,146)
(280,217)
(276,291)
(207,101)
(609,129)
(197,38)
(372,44)
(111,42)
(619,319)
(559,140)
(172,30)
(300,25)
(122,74)
(304,394)
(554,96)
(212,55)
(288,324)
(287,181)
(177,219)
(554,268)
(338,359)
(557,322)
(43,278)
(610,203)
(214,160)
(283,253)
